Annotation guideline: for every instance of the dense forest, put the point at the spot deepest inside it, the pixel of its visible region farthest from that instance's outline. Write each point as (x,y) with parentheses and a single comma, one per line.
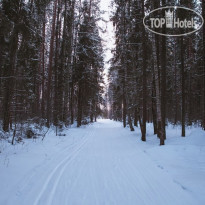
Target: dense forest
(156,78)
(52,67)
(51,62)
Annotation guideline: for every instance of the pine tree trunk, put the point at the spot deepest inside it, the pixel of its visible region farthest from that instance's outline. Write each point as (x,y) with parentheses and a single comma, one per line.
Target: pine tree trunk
(73,62)
(62,88)
(124,113)
(57,99)
(182,88)
(136,118)
(9,84)
(71,103)
(130,122)
(92,108)
(175,86)
(79,115)
(50,65)
(43,68)
(203,14)
(154,114)
(163,79)
(144,83)
(158,97)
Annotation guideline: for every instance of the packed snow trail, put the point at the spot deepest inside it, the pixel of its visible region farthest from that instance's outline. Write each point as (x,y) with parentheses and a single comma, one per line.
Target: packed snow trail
(105,166)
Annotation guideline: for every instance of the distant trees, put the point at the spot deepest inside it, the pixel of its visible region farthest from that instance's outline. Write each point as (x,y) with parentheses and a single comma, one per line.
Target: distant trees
(89,67)
(51,64)
(166,74)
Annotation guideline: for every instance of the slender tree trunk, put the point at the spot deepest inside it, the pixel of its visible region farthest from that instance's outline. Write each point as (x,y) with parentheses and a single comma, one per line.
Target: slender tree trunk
(9,84)
(62,71)
(92,111)
(163,79)
(57,110)
(130,122)
(124,113)
(136,118)
(73,62)
(43,68)
(158,97)
(175,86)
(79,117)
(203,14)
(71,103)
(182,88)
(144,73)
(154,113)
(51,64)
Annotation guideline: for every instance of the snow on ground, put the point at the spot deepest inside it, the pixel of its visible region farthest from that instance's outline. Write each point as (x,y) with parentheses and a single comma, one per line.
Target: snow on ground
(104,164)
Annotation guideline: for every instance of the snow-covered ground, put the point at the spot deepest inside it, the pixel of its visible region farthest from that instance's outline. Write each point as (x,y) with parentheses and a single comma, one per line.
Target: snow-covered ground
(104,164)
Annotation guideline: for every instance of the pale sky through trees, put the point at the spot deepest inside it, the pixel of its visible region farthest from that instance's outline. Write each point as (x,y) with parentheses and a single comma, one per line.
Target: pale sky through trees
(109,36)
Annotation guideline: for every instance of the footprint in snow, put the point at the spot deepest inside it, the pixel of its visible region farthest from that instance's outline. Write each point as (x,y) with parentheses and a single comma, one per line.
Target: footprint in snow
(161,167)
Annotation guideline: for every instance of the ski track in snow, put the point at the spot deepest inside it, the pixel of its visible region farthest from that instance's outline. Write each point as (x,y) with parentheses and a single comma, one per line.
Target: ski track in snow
(104,167)
(61,166)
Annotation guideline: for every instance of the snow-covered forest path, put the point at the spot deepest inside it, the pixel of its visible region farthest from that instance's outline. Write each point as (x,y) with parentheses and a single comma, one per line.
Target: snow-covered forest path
(105,166)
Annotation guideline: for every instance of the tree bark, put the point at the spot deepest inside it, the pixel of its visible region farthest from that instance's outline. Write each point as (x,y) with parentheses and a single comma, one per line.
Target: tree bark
(124,113)
(79,117)
(144,83)
(57,101)
(136,118)
(175,86)
(130,122)
(154,113)
(51,64)
(9,84)
(203,14)
(71,103)
(182,88)
(163,79)
(158,97)
(43,68)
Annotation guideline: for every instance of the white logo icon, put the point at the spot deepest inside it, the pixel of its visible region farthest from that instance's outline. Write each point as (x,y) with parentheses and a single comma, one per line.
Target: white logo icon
(169,19)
